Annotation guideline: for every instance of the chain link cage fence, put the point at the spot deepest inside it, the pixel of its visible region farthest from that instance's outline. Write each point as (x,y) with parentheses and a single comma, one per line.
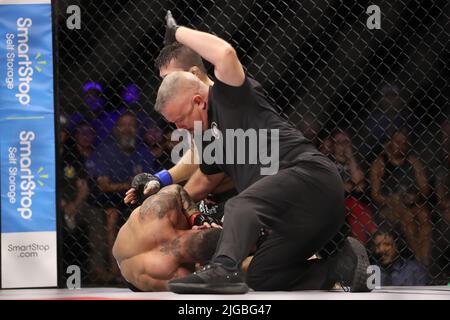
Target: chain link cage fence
(374,100)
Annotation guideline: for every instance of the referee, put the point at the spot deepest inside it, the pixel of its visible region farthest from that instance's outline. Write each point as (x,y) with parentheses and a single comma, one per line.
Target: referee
(301,202)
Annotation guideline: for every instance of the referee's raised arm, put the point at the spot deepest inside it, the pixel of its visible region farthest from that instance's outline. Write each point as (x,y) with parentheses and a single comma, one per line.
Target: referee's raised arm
(227,67)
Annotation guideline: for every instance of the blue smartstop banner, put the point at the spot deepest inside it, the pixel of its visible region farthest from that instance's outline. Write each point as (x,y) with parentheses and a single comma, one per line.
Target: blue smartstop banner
(27,145)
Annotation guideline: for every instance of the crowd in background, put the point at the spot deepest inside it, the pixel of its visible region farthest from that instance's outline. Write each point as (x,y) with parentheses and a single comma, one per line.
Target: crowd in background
(396,204)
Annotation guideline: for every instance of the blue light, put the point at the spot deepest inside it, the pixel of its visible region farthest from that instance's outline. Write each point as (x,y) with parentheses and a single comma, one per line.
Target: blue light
(92,86)
(131,93)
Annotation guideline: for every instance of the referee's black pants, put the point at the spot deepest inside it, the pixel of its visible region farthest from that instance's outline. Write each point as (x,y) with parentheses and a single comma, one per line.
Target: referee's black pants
(303,207)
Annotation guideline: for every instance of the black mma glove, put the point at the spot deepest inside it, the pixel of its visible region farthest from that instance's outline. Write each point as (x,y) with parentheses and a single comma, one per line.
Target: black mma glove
(171,28)
(198,219)
(156,182)
(142,181)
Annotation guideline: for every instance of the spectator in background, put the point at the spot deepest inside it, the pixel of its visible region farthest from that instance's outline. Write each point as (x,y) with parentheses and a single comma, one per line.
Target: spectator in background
(168,144)
(63,133)
(395,270)
(399,186)
(389,115)
(95,111)
(130,94)
(73,157)
(113,165)
(327,147)
(359,215)
(71,196)
(443,174)
(351,172)
(154,139)
(83,224)
(160,144)
(310,125)
(441,230)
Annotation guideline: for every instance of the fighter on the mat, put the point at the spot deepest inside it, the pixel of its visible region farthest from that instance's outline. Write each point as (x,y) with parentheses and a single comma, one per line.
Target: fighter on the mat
(157,244)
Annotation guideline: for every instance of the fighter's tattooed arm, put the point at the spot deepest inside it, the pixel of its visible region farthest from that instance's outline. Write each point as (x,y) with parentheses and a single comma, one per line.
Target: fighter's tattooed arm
(189,206)
(171,197)
(160,203)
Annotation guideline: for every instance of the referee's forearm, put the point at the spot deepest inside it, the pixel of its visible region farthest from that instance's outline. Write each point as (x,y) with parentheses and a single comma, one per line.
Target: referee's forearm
(184,168)
(210,47)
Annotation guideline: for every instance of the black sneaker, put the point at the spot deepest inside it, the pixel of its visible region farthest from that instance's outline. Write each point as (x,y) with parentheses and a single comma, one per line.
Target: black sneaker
(212,278)
(350,266)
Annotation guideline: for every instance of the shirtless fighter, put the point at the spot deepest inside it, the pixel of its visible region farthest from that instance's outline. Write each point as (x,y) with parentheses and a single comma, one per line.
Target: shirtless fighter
(157,243)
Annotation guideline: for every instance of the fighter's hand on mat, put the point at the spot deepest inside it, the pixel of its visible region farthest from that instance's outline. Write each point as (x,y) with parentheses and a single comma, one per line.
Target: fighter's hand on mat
(142,186)
(206,225)
(202,227)
(171,28)
(215,225)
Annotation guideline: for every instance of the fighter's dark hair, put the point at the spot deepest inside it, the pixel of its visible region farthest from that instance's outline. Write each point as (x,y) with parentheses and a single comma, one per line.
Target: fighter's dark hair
(202,245)
(185,57)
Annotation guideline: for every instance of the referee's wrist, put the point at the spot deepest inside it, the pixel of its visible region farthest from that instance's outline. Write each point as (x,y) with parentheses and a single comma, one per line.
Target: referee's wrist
(165,177)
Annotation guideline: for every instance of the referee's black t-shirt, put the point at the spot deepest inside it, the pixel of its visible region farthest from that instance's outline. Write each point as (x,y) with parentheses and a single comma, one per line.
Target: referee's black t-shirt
(246,107)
